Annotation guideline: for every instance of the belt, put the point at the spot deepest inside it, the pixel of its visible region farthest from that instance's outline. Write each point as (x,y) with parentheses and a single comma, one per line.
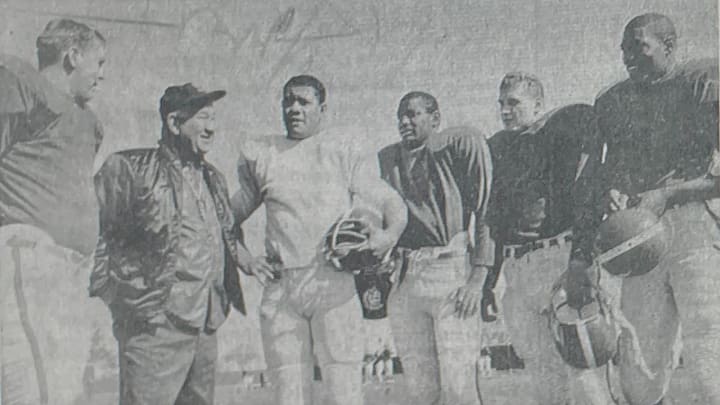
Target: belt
(517,251)
(457,247)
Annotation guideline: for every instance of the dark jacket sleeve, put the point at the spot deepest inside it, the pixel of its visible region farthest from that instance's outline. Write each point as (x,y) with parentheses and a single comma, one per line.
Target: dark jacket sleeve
(114,190)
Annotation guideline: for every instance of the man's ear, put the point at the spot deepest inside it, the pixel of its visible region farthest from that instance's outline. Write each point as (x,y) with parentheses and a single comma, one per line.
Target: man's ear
(73,58)
(435,117)
(323,107)
(173,123)
(539,106)
(669,46)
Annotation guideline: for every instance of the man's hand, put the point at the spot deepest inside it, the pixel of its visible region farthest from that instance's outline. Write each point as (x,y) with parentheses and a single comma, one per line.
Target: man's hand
(142,308)
(488,306)
(261,269)
(380,241)
(616,201)
(578,283)
(654,200)
(467,298)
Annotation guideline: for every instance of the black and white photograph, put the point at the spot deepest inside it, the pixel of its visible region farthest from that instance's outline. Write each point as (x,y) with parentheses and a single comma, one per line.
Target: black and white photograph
(373,202)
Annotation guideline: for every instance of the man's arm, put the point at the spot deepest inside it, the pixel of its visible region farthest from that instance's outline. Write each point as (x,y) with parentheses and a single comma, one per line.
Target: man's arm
(13,112)
(368,187)
(113,188)
(472,167)
(247,200)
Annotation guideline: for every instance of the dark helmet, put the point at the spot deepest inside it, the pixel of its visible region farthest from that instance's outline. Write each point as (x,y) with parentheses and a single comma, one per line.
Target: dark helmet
(346,247)
(586,337)
(632,242)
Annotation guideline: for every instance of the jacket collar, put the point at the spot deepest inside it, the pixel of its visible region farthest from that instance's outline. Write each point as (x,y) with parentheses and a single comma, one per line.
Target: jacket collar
(170,152)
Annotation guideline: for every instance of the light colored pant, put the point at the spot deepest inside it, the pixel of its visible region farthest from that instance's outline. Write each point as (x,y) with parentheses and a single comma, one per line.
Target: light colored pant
(313,310)
(438,349)
(683,289)
(529,281)
(47,319)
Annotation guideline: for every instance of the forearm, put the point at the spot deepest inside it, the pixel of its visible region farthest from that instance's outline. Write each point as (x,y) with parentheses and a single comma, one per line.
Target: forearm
(701,188)
(244,257)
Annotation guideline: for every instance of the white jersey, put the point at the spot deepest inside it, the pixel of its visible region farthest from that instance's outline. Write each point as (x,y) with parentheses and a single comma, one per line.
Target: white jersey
(306,186)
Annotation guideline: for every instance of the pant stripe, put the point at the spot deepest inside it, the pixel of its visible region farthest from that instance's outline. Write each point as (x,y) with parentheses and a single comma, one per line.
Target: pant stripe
(28,329)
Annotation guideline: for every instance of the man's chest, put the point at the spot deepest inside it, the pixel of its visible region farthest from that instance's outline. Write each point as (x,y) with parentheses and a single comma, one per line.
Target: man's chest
(653,123)
(305,174)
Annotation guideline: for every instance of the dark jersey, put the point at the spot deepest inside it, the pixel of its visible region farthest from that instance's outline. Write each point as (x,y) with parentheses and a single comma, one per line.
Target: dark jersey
(443,184)
(665,130)
(650,134)
(47,151)
(534,175)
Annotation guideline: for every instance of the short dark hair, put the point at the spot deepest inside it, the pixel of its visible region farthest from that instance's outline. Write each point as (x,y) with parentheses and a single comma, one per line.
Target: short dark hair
(532,84)
(60,35)
(431,104)
(660,25)
(307,81)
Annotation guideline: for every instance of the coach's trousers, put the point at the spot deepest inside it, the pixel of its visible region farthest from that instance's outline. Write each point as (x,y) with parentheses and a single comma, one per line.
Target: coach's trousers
(683,290)
(161,364)
(438,349)
(47,319)
(313,311)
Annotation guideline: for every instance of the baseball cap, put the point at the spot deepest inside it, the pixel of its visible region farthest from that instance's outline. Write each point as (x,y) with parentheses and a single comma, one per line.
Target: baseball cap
(187,97)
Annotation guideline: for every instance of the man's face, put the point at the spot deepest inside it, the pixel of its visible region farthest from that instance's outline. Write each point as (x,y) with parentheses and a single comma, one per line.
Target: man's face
(518,107)
(88,66)
(199,130)
(302,112)
(645,56)
(415,123)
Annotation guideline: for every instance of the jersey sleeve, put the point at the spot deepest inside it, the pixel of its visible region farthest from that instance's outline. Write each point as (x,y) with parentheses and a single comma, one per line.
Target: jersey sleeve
(13,110)
(473,169)
(249,196)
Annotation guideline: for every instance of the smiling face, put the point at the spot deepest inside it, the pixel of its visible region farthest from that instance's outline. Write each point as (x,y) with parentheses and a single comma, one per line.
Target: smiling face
(302,112)
(197,131)
(415,123)
(645,55)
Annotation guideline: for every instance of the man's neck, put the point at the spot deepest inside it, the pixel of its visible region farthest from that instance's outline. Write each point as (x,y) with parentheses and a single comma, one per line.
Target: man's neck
(185,152)
(58,78)
(294,138)
(669,72)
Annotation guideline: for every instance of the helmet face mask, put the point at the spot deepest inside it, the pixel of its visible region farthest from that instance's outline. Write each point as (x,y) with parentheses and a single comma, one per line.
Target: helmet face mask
(346,247)
(586,337)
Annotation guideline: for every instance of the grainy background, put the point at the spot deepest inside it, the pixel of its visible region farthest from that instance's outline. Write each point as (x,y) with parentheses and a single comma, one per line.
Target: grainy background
(368,53)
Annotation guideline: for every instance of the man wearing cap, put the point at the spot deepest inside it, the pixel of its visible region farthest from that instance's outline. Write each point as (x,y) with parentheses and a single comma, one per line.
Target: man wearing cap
(307,180)
(49,137)
(165,262)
